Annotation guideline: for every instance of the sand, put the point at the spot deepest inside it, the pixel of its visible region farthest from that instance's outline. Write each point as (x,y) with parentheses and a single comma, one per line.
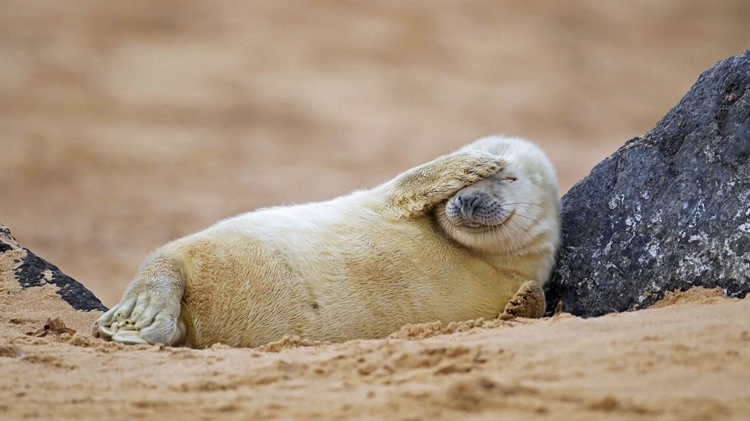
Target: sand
(686,358)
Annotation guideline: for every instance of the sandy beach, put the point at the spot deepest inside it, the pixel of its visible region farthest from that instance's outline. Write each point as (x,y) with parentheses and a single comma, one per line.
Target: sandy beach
(127,125)
(685,359)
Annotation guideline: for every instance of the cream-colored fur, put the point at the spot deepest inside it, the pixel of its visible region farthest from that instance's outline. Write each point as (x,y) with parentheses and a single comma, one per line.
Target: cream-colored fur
(359,266)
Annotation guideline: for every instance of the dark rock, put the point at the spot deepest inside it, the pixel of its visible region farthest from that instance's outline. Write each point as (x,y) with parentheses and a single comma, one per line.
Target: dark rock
(669,210)
(29,271)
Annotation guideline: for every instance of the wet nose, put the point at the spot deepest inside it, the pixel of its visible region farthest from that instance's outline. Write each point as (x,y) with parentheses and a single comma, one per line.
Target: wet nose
(468,204)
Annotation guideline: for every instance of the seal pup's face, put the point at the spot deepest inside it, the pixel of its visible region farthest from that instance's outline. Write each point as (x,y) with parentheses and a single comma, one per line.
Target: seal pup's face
(514,212)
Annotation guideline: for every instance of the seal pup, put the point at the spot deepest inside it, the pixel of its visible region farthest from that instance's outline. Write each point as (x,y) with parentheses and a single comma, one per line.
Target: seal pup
(450,240)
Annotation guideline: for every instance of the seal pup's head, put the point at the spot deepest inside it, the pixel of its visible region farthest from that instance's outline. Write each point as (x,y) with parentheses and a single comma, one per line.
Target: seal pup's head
(515,212)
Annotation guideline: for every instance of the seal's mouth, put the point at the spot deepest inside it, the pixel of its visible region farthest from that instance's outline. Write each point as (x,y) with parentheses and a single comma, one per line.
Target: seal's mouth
(478,226)
(477,212)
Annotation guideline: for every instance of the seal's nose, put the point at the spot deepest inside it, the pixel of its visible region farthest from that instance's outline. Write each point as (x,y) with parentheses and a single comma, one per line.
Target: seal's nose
(468,204)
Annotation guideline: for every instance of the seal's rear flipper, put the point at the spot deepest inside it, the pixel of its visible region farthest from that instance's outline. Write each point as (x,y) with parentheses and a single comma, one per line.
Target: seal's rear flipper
(150,310)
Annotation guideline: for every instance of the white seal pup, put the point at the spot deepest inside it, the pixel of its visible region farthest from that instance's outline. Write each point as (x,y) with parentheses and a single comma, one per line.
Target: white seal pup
(450,240)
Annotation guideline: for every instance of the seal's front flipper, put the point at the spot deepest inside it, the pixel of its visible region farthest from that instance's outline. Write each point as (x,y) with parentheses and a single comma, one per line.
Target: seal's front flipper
(529,302)
(415,192)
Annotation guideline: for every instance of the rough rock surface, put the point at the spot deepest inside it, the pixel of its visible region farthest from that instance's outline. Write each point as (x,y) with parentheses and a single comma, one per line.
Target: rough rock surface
(29,270)
(669,210)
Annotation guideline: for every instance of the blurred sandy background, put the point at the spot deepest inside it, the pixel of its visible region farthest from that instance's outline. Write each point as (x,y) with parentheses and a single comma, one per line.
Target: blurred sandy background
(125,125)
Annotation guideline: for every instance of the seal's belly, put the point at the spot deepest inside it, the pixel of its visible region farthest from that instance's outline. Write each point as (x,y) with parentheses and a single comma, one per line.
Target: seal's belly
(329,282)
(386,287)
